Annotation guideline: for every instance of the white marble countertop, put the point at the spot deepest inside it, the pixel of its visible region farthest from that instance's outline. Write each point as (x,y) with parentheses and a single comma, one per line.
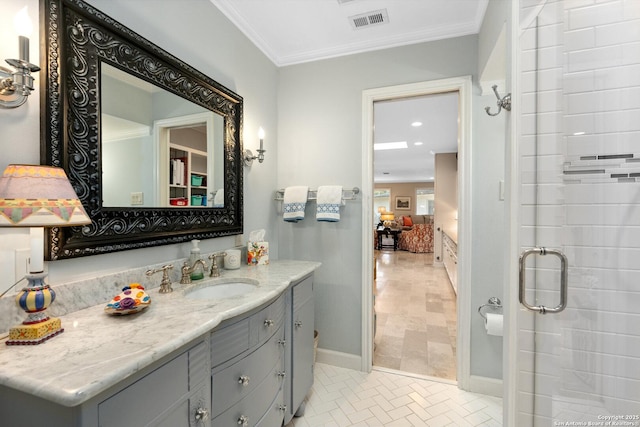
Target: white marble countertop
(96,350)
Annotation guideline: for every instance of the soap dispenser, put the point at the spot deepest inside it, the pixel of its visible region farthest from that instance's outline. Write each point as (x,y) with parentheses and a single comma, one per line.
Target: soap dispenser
(197,269)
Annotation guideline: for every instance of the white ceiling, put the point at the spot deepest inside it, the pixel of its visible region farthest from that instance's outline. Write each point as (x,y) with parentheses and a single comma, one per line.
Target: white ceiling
(438,114)
(296,31)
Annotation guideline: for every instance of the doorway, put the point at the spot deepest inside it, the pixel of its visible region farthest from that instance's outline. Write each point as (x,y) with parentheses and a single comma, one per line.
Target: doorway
(415,140)
(462,85)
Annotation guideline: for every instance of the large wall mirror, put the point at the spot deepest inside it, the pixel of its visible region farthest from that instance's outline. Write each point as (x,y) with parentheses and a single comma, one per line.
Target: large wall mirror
(151,145)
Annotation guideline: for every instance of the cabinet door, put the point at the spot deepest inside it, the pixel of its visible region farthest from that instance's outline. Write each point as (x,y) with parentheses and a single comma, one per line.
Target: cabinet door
(186,413)
(302,349)
(163,397)
(136,406)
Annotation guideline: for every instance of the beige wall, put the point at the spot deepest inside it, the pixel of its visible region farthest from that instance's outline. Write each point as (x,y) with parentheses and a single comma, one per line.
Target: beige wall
(446,200)
(407,189)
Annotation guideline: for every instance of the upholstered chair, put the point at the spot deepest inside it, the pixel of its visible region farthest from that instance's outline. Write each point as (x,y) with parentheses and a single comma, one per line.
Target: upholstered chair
(418,240)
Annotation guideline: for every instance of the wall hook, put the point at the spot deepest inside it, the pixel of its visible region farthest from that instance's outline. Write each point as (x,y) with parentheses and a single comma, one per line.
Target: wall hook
(502,102)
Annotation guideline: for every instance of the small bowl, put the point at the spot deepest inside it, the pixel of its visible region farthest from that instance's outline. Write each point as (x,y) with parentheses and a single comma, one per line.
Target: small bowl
(131,300)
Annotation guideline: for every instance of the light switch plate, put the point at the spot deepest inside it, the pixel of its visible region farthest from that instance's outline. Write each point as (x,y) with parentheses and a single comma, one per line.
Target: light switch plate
(137,198)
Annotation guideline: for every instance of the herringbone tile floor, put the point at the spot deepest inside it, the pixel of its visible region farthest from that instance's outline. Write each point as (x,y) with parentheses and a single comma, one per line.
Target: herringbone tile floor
(342,397)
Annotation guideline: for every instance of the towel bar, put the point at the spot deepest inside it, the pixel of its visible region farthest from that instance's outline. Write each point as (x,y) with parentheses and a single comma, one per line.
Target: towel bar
(348,194)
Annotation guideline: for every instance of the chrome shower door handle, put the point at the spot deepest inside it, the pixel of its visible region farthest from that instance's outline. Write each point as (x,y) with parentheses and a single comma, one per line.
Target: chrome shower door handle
(563,280)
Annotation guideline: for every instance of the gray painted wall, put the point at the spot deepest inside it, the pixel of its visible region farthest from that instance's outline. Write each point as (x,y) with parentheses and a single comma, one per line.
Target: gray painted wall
(320,121)
(488,221)
(488,235)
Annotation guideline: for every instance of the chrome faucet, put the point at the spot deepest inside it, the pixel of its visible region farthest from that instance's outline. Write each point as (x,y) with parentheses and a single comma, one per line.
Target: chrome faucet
(215,270)
(165,284)
(186,270)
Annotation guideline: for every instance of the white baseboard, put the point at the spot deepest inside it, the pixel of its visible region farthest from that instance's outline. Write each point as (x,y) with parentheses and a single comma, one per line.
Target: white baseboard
(485,385)
(337,358)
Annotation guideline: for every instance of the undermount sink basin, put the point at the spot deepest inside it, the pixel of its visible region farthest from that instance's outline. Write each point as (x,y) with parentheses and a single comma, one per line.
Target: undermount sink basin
(222,290)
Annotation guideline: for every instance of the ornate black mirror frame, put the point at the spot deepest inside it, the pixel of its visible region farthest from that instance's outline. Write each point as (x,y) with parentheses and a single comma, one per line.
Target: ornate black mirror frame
(76,38)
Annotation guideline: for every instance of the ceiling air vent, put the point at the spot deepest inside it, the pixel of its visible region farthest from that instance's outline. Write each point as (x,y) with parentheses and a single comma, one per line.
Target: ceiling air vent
(368,19)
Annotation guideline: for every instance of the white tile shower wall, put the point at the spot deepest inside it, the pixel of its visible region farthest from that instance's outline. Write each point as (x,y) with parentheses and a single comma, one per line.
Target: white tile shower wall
(580,101)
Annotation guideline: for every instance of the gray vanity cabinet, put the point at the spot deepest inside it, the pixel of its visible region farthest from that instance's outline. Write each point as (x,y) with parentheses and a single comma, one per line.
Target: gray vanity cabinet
(248,372)
(254,369)
(300,358)
(262,362)
(172,392)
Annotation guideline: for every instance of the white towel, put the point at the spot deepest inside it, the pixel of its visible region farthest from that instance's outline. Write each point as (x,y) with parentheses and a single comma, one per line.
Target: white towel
(295,200)
(329,201)
(218,199)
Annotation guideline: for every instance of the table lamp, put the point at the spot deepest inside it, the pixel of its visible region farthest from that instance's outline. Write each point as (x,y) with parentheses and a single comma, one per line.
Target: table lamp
(36,197)
(387,217)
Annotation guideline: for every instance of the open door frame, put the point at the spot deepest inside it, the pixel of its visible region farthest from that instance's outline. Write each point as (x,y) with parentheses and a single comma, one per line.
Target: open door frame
(463,86)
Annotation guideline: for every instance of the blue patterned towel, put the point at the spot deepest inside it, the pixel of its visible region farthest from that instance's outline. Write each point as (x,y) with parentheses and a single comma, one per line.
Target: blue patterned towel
(329,201)
(295,200)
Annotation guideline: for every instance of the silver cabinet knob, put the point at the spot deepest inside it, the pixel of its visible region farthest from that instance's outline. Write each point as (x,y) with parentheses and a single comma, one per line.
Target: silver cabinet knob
(283,408)
(282,342)
(244,380)
(243,420)
(282,374)
(268,323)
(201,414)
(298,323)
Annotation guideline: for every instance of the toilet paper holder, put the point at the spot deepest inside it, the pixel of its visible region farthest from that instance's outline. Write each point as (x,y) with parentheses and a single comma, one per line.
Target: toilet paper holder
(493,303)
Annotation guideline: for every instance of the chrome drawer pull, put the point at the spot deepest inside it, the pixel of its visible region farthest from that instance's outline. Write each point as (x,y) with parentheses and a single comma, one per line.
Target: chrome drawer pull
(283,408)
(201,414)
(282,342)
(268,323)
(244,380)
(282,374)
(243,420)
(298,323)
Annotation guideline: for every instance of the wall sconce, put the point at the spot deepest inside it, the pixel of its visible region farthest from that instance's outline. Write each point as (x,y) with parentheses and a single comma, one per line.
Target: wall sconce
(36,197)
(248,155)
(15,86)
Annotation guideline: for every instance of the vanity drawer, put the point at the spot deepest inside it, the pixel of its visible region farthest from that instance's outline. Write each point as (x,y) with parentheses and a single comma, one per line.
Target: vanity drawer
(229,342)
(227,386)
(266,322)
(275,416)
(253,407)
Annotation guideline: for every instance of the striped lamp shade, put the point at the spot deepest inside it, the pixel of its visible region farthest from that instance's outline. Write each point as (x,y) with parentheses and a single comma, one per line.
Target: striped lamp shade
(38,196)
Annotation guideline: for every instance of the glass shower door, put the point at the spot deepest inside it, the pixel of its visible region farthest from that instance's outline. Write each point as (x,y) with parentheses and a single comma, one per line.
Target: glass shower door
(579,181)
